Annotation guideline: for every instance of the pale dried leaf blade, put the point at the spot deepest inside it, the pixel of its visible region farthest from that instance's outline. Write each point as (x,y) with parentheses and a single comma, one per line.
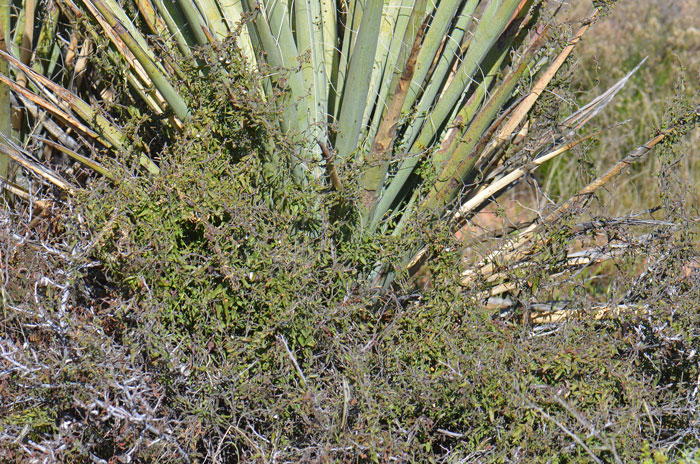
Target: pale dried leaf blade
(499,184)
(48,106)
(582,116)
(15,153)
(520,247)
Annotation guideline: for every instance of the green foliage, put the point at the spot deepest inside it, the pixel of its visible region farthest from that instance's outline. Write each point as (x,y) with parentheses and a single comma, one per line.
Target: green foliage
(219,237)
(303,364)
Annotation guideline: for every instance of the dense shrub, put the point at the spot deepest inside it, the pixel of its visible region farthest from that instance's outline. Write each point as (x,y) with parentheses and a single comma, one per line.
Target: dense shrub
(307,369)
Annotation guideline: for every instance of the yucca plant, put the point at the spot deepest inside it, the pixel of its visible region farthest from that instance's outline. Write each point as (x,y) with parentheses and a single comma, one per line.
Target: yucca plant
(392,94)
(400,118)
(382,87)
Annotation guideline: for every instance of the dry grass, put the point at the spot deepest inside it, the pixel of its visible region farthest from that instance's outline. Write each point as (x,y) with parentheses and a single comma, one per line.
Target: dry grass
(669,34)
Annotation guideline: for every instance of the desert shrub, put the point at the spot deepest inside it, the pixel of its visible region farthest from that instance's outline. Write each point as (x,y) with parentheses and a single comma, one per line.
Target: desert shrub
(100,365)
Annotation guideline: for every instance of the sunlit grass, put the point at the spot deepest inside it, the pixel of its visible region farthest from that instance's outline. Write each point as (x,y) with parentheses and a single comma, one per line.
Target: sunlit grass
(668,33)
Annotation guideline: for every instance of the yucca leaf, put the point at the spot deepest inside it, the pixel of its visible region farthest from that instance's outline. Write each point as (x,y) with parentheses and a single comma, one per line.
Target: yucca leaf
(571,125)
(268,50)
(16,154)
(50,107)
(92,164)
(439,77)
(14,189)
(309,38)
(5,103)
(155,22)
(472,118)
(111,136)
(497,15)
(358,79)
(495,19)
(212,17)
(110,11)
(279,22)
(329,32)
(524,107)
(498,185)
(48,123)
(47,49)
(522,245)
(461,161)
(348,16)
(232,11)
(443,17)
(466,114)
(194,21)
(377,159)
(137,77)
(389,43)
(27,40)
(175,22)
(102,130)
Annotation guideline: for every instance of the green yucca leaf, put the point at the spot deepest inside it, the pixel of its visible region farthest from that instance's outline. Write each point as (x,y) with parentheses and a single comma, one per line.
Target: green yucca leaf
(571,124)
(382,143)
(279,20)
(390,43)
(100,129)
(344,66)
(195,21)
(522,245)
(465,75)
(309,38)
(213,18)
(94,165)
(47,49)
(137,76)
(438,31)
(49,106)
(5,104)
(268,47)
(176,24)
(430,88)
(155,23)
(107,133)
(461,121)
(113,21)
(492,24)
(358,81)
(26,39)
